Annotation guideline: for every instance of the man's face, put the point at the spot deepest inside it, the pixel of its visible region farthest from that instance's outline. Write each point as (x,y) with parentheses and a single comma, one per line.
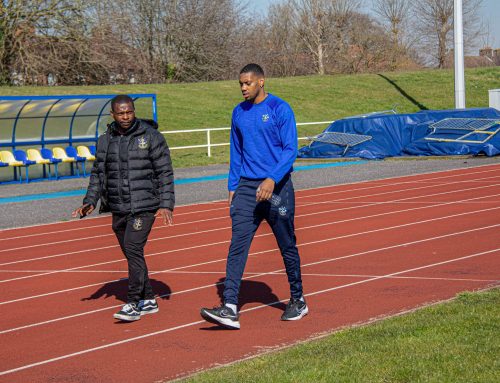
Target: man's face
(123,114)
(251,85)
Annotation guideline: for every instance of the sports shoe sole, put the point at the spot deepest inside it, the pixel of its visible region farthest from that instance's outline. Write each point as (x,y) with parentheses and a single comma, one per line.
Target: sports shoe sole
(152,311)
(302,314)
(226,322)
(126,318)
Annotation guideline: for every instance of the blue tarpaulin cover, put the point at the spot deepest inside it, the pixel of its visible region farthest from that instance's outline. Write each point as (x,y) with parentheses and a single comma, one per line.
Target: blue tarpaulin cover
(403,135)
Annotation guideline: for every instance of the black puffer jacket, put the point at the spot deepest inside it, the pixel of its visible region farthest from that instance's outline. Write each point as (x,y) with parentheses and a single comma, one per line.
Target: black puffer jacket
(133,172)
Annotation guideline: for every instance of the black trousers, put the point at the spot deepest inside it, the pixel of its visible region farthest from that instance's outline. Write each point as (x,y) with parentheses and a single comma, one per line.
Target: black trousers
(132,232)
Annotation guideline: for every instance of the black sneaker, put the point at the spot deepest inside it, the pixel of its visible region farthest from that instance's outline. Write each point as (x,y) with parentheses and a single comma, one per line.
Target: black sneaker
(148,306)
(222,315)
(128,313)
(295,310)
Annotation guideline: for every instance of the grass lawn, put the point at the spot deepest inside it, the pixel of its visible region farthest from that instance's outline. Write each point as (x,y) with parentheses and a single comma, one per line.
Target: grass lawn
(313,98)
(457,341)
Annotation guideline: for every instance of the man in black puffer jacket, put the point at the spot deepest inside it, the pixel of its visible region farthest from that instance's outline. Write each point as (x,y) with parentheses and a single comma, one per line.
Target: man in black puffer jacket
(133,178)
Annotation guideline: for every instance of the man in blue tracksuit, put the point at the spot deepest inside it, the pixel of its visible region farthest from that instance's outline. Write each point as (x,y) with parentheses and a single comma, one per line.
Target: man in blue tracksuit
(263,149)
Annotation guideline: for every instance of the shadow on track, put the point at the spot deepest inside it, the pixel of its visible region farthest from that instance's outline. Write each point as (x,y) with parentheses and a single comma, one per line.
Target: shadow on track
(250,292)
(118,289)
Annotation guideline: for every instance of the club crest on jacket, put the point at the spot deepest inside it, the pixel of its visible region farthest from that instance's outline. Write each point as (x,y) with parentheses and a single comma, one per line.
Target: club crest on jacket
(142,142)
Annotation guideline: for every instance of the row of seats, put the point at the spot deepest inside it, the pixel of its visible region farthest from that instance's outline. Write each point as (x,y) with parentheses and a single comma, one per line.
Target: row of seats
(19,158)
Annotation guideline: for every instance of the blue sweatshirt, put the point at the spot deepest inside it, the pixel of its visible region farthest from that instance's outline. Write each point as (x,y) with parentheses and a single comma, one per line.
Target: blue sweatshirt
(263,141)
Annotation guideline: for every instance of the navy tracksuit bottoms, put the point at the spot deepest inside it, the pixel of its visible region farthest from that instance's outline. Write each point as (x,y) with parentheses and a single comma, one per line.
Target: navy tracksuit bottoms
(246,215)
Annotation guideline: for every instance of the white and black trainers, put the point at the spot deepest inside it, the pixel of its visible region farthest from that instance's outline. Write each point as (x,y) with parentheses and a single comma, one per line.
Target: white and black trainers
(148,306)
(295,310)
(128,313)
(222,315)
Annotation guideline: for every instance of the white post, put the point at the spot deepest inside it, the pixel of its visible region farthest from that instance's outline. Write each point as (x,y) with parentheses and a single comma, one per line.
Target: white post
(208,143)
(459,56)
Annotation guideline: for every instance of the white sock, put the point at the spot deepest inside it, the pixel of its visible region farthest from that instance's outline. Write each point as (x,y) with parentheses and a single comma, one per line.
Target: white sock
(232,307)
(302,299)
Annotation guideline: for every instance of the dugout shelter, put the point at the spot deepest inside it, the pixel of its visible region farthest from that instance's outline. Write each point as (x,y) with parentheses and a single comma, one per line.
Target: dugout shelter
(60,120)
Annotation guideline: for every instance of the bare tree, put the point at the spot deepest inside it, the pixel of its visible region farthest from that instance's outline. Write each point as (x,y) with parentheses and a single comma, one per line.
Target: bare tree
(312,26)
(204,39)
(109,41)
(20,22)
(284,51)
(435,26)
(320,25)
(395,14)
(368,46)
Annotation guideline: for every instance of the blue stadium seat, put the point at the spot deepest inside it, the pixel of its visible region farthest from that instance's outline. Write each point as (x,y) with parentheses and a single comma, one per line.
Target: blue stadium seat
(92,149)
(47,154)
(71,152)
(20,155)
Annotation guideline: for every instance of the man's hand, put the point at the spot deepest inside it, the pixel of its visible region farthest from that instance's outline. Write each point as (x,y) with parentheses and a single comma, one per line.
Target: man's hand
(230,198)
(167,215)
(83,211)
(265,190)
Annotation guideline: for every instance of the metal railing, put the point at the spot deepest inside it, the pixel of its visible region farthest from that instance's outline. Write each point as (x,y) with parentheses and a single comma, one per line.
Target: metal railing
(208,131)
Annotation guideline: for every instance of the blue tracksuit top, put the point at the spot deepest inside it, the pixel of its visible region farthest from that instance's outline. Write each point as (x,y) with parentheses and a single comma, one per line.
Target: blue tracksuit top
(263,141)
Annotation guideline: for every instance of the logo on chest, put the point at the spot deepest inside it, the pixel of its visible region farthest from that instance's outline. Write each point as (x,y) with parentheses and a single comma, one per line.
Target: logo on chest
(265,117)
(142,143)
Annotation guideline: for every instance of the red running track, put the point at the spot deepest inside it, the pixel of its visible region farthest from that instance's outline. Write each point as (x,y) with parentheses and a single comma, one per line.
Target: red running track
(369,250)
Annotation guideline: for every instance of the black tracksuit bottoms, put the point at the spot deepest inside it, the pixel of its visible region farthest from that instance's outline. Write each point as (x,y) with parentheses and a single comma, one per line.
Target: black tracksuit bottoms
(132,231)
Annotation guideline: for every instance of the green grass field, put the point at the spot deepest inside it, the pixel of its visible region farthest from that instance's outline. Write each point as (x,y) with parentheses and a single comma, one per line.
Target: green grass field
(457,341)
(313,98)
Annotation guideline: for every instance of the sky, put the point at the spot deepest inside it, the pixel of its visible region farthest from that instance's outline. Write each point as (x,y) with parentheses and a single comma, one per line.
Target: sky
(490,11)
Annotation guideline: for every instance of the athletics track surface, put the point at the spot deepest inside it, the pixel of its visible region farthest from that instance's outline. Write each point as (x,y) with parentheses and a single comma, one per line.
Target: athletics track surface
(369,250)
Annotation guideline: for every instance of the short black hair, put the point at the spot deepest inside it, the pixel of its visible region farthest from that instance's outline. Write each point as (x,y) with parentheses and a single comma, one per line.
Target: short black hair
(121,99)
(254,68)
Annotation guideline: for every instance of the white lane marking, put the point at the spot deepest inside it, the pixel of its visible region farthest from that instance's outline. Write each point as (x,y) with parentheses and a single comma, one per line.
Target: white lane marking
(260,235)
(101,217)
(261,274)
(182,326)
(86,238)
(377,185)
(226,218)
(222,272)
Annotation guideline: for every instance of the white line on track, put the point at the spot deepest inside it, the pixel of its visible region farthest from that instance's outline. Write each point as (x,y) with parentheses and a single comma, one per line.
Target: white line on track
(227,218)
(302,228)
(423,278)
(305,265)
(191,324)
(378,184)
(222,273)
(64,271)
(260,235)
(100,217)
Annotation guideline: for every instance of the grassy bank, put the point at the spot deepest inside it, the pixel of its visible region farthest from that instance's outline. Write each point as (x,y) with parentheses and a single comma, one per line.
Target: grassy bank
(313,98)
(452,342)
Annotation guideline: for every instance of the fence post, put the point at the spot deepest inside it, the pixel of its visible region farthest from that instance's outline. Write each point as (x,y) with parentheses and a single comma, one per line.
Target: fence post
(209,152)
